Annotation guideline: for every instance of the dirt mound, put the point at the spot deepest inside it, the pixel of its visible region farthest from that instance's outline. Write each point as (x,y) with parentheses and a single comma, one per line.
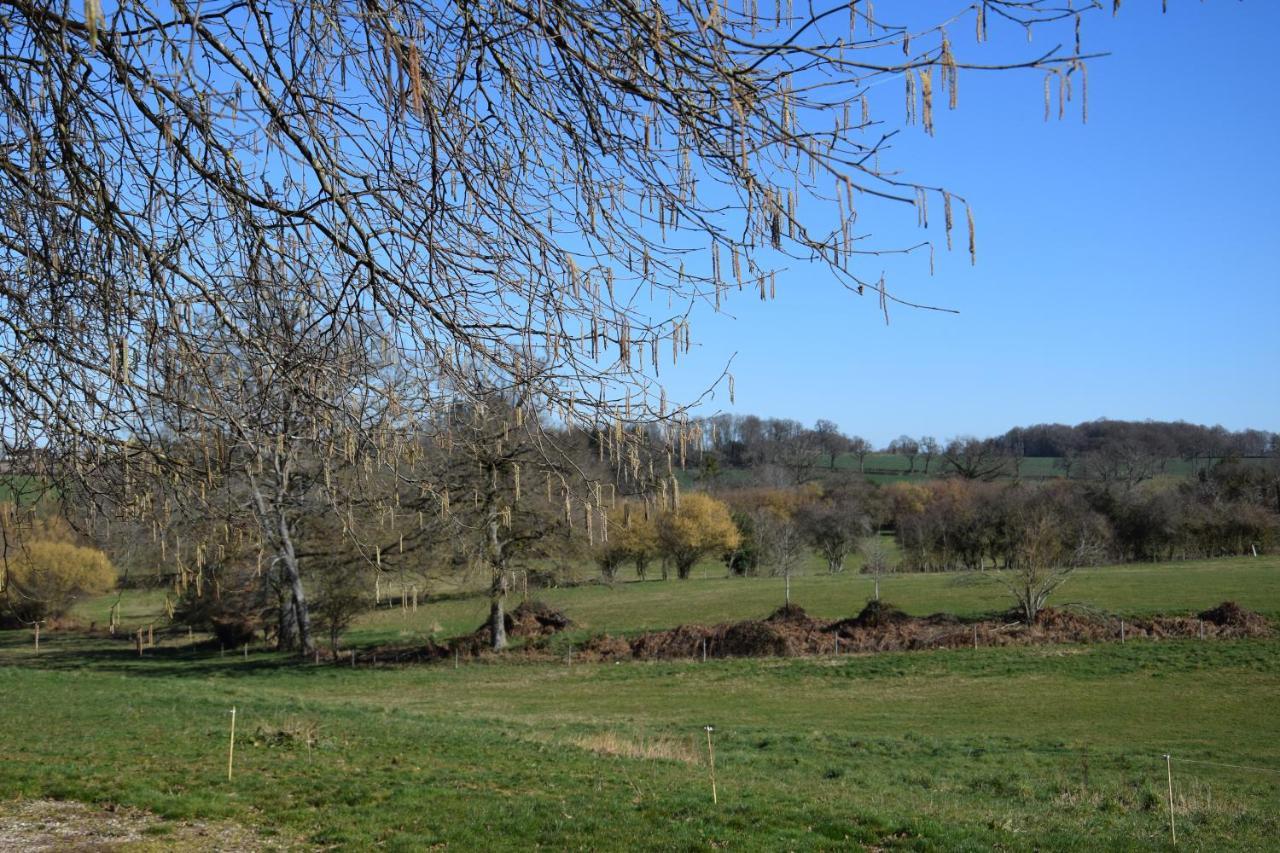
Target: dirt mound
(759,639)
(536,619)
(1228,614)
(605,648)
(788,613)
(531,620)
(876,614)
(1059,625)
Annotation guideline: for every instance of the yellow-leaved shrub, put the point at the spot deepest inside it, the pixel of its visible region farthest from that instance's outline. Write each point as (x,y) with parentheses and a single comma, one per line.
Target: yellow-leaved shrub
(43,579)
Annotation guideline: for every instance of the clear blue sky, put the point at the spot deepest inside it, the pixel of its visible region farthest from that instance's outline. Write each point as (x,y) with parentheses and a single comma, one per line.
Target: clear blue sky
(1128,267)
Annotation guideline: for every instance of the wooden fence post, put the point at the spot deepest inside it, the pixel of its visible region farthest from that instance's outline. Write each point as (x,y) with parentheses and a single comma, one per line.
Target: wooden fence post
(231,747)
(711,755)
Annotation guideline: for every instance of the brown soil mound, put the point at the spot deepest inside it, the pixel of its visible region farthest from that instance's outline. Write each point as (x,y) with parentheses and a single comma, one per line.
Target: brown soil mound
(876,614)
(1228,614)
(536,619)
(788,613)
(531,619)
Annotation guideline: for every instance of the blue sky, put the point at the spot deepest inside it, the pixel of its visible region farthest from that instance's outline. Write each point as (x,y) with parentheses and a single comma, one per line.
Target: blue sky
(1128,267)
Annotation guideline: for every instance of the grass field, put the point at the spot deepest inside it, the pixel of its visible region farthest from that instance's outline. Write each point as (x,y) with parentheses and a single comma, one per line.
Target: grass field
(1015,748)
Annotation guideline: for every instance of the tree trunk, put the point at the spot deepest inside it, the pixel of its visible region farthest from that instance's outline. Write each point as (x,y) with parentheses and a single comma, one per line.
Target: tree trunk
(497,623)
(287,631)
(293,584)
(497,589)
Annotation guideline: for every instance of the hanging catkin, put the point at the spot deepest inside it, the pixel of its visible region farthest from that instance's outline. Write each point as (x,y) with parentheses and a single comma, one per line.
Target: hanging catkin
(946,215)
(911,96)
(973,241)
(926,97)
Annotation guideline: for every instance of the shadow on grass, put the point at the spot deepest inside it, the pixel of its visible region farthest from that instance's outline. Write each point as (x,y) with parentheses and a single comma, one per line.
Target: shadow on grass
(69,651)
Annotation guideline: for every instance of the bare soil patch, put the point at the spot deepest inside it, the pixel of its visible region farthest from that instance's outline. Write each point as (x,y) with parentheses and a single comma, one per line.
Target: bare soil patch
(72,827)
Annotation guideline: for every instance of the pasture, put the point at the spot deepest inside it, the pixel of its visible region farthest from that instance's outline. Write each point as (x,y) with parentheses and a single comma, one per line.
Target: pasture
(1018,748)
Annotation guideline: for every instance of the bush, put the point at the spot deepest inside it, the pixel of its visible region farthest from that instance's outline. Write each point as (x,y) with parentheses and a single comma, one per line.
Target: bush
(231,600)
(45,578)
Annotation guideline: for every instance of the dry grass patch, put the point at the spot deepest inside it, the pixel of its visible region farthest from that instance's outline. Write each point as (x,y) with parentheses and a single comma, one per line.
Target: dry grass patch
(659,748)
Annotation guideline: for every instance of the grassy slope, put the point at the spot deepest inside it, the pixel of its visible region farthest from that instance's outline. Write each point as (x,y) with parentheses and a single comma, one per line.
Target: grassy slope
(1018,748)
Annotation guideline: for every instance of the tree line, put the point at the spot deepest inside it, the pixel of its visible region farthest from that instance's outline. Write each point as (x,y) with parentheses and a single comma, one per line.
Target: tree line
(784,451)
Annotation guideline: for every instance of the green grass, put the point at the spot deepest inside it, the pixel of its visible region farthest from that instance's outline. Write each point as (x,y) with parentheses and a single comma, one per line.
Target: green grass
(1016,748)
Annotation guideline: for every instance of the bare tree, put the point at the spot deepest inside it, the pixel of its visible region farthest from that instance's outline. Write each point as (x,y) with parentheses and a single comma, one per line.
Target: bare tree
(976,459)
(261,420)
(875,561)
(1047,554)
(503,181)
(833,527)
(503,495)
(905,445)
(861,449)
(516,188)
(782,543)
(929,448)
(830,440)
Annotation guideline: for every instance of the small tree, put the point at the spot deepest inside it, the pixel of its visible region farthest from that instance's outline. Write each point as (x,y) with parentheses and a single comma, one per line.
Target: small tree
(781,541)
(875,561)
(341,594)
(699,525)
(638,539)
(609,556)
(1045,557)
(744,558)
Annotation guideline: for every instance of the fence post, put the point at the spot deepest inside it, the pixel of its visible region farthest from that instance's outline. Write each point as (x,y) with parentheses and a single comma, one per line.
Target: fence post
(231,746)
(711,754)
(1168,767)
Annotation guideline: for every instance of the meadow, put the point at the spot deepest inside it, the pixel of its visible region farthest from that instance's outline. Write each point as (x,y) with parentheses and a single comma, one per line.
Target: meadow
(1056,747)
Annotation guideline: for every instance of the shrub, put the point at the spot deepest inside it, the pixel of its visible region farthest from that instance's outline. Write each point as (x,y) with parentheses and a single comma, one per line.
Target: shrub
(231,600)
(45,578)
